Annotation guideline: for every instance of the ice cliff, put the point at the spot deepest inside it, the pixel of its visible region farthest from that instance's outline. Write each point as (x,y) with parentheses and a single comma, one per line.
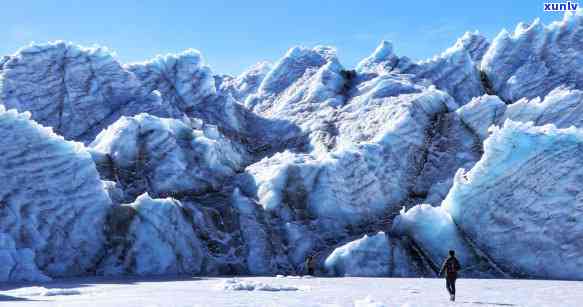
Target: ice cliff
(164,156)
(77,91)
(454,71)
(535,59)
(520,204)
(165,167)
(53,205)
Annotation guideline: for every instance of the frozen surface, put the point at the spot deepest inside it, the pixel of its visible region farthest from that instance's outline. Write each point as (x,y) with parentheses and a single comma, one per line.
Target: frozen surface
(241,285)
(382,60)
(157,239)
(188,88)
(367,256)
(475,43)
(561,107)
(301,92)
(449,145)
(182,79)
(165,156)
(260,252)
(247,83)
(342,292)
(481,113)
(18,264)
(435,233)
(364,160)
(77,91)
(454,71)
(376,255)
(521,203)
(53,204)
(42,291)
(536,58)
(378,161)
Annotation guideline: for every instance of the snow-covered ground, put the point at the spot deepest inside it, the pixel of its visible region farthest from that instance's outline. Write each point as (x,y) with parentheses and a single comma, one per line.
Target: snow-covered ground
(290,291)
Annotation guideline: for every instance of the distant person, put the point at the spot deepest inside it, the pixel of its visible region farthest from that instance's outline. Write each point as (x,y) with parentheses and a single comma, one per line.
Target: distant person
(311,264)
(450,267)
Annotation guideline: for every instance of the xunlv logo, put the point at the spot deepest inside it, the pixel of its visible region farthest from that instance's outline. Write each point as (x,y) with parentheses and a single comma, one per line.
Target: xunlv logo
(559,7)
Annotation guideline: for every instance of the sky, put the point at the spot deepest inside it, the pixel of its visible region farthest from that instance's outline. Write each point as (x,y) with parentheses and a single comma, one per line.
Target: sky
(234,35)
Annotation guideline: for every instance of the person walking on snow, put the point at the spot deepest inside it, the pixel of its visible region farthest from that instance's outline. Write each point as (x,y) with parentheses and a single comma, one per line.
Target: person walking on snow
(450,267)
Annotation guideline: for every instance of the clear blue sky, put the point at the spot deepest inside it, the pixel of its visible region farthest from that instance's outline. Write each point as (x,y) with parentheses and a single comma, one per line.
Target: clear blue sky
(233,35)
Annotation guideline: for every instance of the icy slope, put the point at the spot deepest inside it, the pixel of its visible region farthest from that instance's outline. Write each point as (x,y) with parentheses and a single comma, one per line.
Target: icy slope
(81,91)
(53,204)
(382,60)
(299,94)
(341,189)
(481,113)
(536,59)
(247,83)
(454,71)
(434,233)
(262,252)
(164,156)
(156,238)
(561,107)
(374,170)
(476,44)
(203,236)
(521,202)
(188,88)
(77,91)
(18,264)
(450,145)
(182,79)
(284,83)
(376,255)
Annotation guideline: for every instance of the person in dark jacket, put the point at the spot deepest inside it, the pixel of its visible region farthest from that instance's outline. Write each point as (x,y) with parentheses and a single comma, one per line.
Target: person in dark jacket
(450,267)
(311,264)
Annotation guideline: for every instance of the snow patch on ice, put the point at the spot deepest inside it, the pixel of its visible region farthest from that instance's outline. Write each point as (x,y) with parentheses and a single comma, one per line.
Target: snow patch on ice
(242,285)
(368,302)
(41,291)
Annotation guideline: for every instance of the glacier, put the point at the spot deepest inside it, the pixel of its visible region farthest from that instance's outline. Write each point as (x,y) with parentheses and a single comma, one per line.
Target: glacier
(532,200)
(454,71)
(156,239)
(535,59)
(75,90)
(375,256)
(165,156)
(167,167)
(53,202)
